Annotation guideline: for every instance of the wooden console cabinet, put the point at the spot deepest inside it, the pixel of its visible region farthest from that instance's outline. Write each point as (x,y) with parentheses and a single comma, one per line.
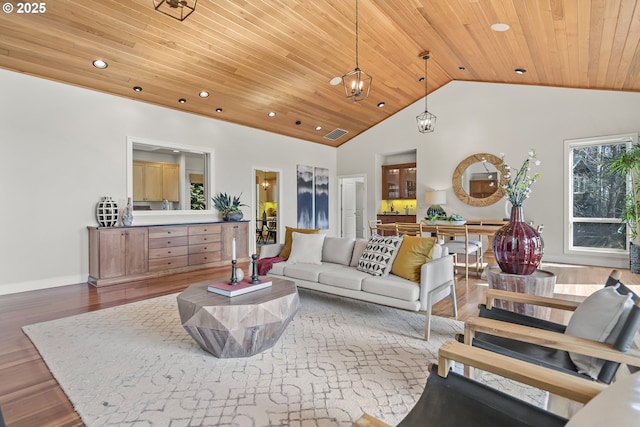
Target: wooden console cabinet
(122,254)
(119,252)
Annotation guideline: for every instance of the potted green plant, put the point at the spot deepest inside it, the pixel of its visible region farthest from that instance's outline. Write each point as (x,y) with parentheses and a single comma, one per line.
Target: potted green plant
(229,207)
(453,219)
(628,164)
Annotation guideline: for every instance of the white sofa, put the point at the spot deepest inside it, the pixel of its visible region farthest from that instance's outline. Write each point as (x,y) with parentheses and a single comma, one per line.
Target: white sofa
(337,274)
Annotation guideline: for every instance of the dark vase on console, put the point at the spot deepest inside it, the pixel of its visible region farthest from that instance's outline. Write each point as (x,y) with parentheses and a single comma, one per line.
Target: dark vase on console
(517,246)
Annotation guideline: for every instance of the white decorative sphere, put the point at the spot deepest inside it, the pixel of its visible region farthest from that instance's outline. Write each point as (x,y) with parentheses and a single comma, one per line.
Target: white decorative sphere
(239,274)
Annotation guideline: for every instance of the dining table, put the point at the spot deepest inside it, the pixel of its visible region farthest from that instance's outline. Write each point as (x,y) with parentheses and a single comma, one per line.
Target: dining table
(479,227)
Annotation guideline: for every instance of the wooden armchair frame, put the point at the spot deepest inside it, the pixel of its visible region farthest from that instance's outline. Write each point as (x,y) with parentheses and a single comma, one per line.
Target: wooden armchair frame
(542,337)
(566,385)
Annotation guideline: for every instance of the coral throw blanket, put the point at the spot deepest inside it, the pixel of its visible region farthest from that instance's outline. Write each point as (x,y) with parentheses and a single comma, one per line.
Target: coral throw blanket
(265,264)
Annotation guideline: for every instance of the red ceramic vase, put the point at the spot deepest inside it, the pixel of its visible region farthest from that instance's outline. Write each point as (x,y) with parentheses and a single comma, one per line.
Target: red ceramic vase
(517,246)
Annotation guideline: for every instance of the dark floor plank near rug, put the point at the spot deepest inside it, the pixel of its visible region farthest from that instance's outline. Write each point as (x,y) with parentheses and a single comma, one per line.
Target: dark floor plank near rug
(30,396)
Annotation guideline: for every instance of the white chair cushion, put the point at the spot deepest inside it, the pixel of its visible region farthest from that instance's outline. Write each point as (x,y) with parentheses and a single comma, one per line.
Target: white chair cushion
(595,319)
(458,247)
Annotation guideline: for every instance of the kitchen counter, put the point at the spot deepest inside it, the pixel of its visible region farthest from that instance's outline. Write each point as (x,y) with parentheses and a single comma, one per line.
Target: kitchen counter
(389,218)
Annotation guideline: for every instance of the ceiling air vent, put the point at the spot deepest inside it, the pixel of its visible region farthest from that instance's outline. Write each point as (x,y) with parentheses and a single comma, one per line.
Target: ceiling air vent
(336,134)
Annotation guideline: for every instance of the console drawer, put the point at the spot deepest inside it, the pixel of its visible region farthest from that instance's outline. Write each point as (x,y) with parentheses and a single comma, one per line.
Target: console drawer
(168,252)
(207,247)
(167,263)
(195,230)
(168,242)
(204,258)
(203,238)
(164,231)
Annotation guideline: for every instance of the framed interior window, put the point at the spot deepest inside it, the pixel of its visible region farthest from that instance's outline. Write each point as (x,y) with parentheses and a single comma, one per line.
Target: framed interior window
(595,198)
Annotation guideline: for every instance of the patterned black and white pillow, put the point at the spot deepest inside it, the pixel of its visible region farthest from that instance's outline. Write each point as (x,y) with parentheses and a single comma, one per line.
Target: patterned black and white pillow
(379,254)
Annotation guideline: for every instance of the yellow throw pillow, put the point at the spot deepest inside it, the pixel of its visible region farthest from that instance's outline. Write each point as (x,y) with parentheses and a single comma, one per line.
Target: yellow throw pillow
(288,239)
(413,252)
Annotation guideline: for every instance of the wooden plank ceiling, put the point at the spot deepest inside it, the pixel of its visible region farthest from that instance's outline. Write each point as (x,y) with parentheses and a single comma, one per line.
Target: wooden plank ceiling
(256,56)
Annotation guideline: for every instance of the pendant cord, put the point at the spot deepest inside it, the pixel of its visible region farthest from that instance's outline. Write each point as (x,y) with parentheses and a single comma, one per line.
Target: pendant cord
(356,34)
(426,58)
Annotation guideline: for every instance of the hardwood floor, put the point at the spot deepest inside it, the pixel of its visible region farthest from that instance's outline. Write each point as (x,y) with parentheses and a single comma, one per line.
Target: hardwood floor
(30,396)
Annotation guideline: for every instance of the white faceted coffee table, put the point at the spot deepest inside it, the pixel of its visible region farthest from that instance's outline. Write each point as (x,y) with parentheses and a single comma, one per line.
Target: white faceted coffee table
(239,326)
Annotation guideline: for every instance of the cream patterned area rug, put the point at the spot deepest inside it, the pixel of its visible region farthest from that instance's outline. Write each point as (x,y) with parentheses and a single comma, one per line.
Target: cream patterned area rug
(134,365)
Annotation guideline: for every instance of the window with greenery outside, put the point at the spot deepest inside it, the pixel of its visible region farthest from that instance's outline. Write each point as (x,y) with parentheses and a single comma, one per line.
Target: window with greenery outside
(198,201)
(598,197)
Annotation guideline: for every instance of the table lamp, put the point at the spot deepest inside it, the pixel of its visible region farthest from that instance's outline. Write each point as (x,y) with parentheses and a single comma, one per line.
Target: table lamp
(435,199)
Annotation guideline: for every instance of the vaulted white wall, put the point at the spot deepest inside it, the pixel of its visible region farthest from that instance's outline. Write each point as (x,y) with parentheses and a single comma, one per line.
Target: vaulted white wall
(495,118)
(63,147)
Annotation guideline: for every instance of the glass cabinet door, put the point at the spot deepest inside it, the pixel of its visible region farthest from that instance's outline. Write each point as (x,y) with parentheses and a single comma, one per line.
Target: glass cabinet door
(408,174)
(399,181)
(390,182)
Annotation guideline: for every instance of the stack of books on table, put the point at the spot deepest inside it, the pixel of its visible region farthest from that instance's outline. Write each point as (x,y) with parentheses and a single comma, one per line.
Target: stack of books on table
(224,288)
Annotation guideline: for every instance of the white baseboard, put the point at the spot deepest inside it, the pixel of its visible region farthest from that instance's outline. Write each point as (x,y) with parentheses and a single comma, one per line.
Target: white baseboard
(32,285)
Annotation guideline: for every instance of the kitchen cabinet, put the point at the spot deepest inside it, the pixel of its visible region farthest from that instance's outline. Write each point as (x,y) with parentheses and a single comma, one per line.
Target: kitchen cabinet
(155,181)
(399,181)
(481,188)
(170,182)
(390,219)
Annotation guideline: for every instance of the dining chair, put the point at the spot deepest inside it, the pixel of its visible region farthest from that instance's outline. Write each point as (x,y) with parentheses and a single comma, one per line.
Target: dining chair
(456,240)
(409,229)
(260,231)
(271,230)
(373,226)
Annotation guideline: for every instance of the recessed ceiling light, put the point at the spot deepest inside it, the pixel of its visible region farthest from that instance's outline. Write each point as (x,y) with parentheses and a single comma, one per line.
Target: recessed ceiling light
(500,27)
(271,114)
(182,100)
(381,104)
(318,127)
(298,122)
(203,94)
(176,151)
(421,79)
(520,70)
(335,81)
(218,110)
(99,63)
(137,88)
(461,68)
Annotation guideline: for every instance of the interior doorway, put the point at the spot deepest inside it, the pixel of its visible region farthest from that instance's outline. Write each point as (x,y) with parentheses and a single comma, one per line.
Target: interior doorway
(353,202)
(267,202)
